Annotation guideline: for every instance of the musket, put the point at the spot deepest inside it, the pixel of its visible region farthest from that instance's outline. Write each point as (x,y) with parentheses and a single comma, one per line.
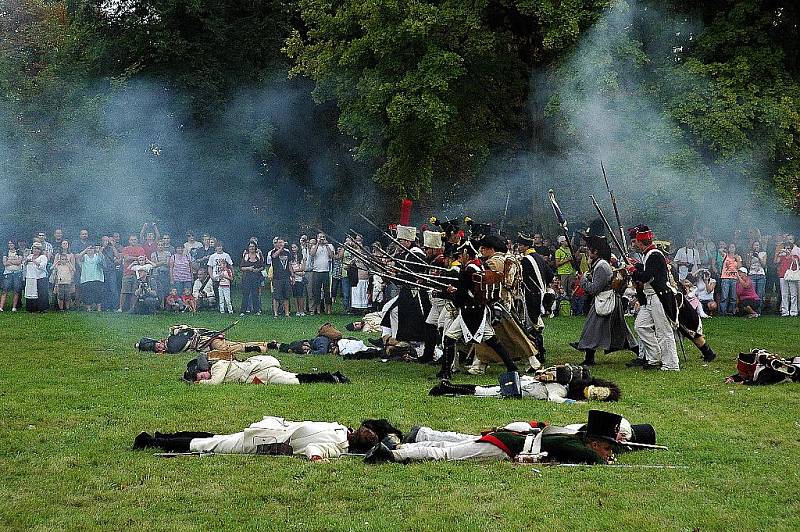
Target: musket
(610,231)
(393,239)
(216,335)
(616,210)
(373,262)
(563,223)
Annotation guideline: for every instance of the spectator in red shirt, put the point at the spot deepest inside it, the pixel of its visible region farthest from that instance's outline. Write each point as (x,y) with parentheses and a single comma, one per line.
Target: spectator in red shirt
(149,239)
(130,254)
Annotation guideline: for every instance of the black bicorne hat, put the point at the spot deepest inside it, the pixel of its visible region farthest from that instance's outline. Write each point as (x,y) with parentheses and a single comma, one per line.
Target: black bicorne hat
(146,344)
(448,227)
(603,425)
(644,433)
(524,239)
(494,242)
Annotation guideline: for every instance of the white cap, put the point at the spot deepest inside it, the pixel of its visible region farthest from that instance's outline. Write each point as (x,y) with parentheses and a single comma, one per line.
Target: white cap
(561,238)
(431,239)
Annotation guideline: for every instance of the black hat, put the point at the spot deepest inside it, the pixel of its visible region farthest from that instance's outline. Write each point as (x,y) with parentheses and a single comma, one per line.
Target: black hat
(644,433)
(478,230)
(524,239)
(603,425)
(494,242)
(449,227)
(190,375)
(599,244)
(469,246)
(146,344)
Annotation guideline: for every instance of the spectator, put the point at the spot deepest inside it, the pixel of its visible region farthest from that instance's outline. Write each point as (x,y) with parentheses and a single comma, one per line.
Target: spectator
(167,240)
(705,287)
(174,302)
(37,293)
(189,301)
(64,276)
(298,279)
(786,259)
(731,262)
(111,261)
(203,291)
(217,262)
(47,248)
(309,267)
(757,263)
(191,244)
(180,270)
(160,275)
(130,254)
(83,239)
(578,298)
(564,268)
(251,267)
(281,277)
(201,254)
(12,276)
(141,269)
(687,259)
(717,265)
(149,239)
(336,275)
(542,249)
(346,259)
(58,237)
(746,294)
(321,253)
(92,278)
(225,281)
(708,252)
(359,291)
(145,299)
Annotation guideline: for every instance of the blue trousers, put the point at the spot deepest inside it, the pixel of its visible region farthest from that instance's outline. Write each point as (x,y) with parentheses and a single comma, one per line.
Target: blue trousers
(727,306)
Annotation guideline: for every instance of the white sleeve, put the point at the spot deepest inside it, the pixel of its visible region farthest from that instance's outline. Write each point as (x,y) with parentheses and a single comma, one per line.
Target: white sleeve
(323,450)
(217,376)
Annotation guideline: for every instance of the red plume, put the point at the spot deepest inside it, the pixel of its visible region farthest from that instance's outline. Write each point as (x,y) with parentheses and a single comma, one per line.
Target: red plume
(405,212)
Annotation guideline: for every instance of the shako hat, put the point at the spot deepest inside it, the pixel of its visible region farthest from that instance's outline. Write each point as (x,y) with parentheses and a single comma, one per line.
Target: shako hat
(406,232)
(603,425)
(146,344)
(431,239)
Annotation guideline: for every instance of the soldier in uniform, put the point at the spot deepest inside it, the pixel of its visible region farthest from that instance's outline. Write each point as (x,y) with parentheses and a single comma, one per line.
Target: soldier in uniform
(473,323)
(536,277)
(186,338)
(658,313)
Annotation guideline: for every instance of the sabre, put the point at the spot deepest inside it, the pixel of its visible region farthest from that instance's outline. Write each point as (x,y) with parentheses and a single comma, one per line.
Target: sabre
(614,204)
(610,231)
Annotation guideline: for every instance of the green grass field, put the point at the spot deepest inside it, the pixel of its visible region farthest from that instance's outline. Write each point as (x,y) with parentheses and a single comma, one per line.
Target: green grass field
(75,393)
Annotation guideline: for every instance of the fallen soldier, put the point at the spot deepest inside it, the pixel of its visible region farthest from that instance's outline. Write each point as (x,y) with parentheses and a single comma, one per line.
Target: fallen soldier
(760,367)
(317,440)
(348,348)
(559,384)
(592,443)
(186,338)
(259,369)
(369,323)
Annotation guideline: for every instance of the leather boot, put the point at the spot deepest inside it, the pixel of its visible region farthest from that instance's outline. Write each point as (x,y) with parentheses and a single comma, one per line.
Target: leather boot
(495,344)
(589,358)
(448,355)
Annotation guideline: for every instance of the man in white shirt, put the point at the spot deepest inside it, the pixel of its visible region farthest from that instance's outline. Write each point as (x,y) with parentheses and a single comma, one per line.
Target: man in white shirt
(688,259)
(321,255)
(216,265)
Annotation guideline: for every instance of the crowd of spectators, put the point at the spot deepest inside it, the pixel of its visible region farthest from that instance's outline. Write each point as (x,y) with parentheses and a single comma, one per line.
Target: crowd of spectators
(745,275)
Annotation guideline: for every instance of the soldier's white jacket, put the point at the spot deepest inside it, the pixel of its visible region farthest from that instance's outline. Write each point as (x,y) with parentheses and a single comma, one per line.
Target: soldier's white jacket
(259,369)
(309,438)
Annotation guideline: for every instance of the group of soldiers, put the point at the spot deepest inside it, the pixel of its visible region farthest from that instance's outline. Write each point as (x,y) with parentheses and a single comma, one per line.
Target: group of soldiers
(459,291)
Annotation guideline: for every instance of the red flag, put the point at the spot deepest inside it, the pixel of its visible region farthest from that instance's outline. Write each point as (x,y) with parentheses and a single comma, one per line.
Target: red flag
(405,212)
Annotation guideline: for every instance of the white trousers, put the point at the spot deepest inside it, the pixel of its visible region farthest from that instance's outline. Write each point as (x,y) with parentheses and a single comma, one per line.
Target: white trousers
(789,291)
(427,434)
(449,450)
(222,443)
(656,335)
(225,299)
(272,376)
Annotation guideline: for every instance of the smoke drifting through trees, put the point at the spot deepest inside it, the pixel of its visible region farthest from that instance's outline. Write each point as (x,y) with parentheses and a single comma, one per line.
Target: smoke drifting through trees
(606,101)
(269,163)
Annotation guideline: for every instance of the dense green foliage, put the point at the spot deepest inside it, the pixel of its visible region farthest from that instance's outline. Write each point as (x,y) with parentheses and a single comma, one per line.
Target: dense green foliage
(75,394)
(192,99)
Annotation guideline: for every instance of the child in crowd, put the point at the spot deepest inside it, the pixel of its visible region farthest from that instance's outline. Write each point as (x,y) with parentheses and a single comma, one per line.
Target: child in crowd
(142,268)
(174,301)
(189,300)
(578,297)
(225,278)
(63,277)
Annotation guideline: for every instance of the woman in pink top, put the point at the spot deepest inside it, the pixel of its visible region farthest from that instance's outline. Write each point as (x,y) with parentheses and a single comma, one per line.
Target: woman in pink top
(746,294)
(180,270)
(731,262)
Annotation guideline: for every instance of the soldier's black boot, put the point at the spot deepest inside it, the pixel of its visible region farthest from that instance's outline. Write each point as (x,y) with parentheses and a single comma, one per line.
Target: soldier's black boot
(448,388)
(589,358)
(495,344)
(448,356)
(430,342)
(310,378)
